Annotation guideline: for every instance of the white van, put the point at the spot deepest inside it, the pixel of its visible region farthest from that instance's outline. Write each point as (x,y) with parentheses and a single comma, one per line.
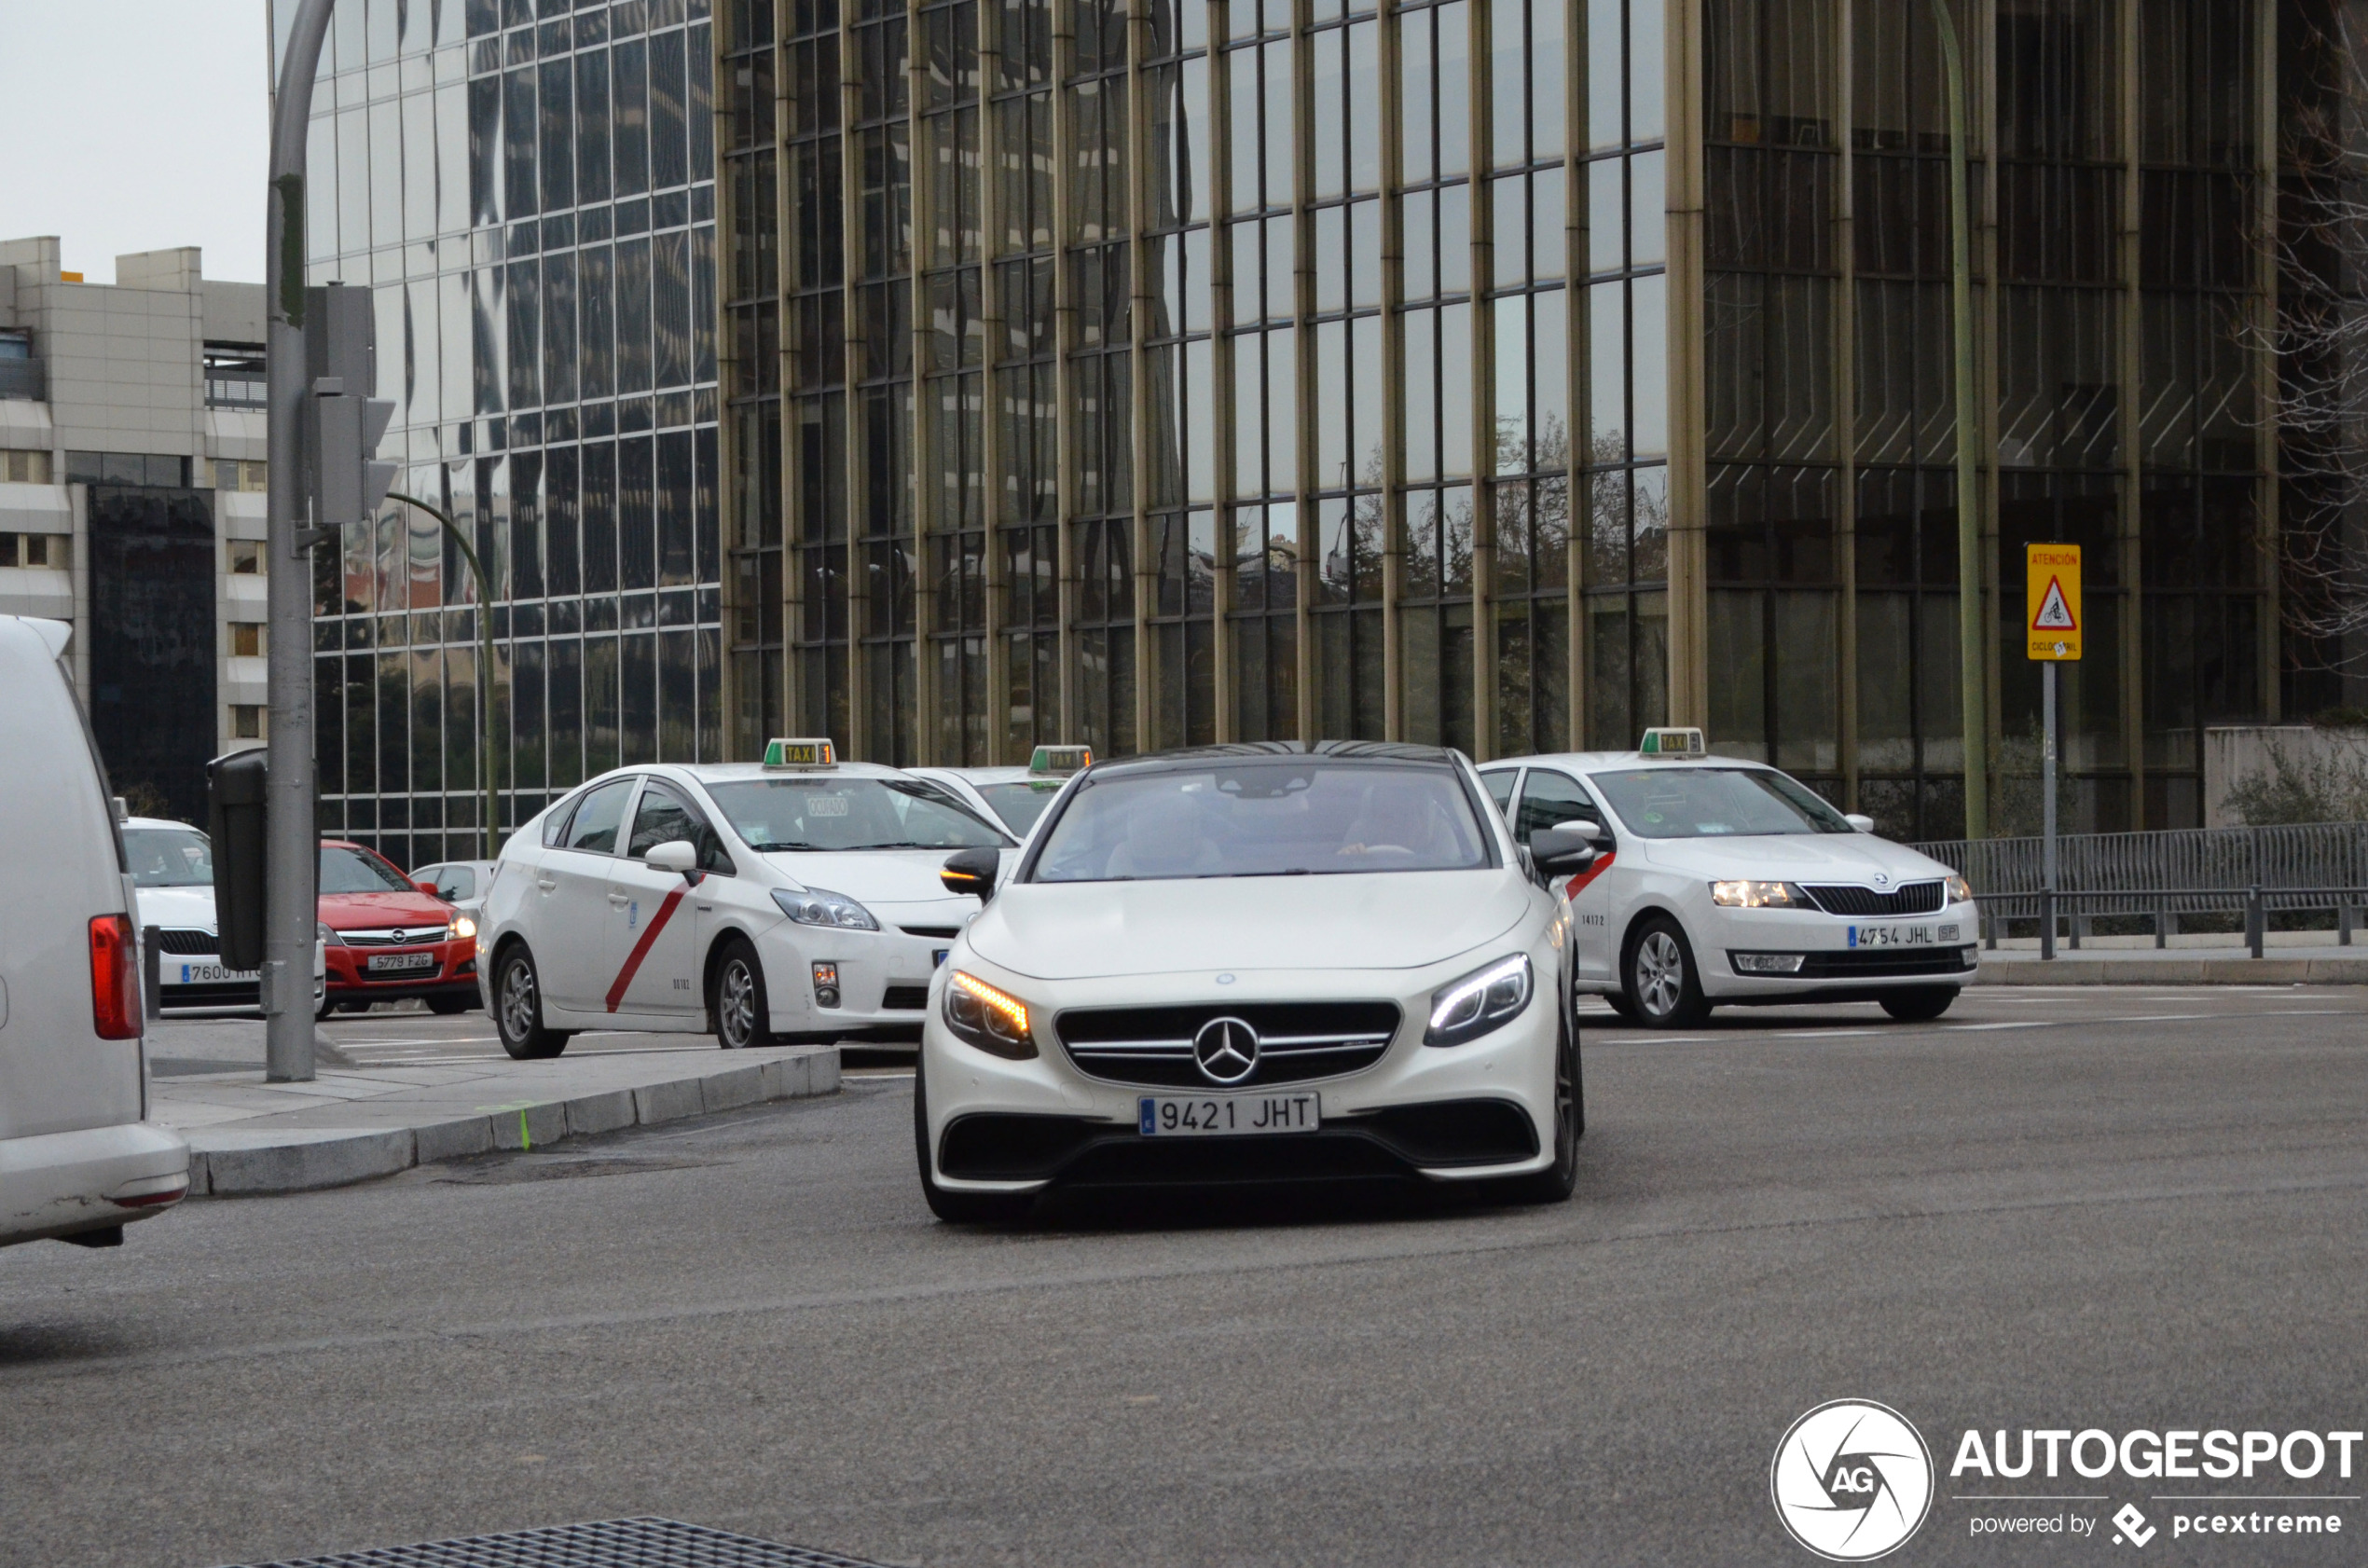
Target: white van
(78,1158)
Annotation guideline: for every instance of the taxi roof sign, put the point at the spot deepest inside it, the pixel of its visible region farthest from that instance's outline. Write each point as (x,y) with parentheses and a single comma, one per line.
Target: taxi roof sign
(1060,758)
(801,755)
(1672,743)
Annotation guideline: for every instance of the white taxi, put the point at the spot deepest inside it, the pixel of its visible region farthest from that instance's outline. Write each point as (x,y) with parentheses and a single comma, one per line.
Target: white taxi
(1724,881)
(1013,796)
(792,899)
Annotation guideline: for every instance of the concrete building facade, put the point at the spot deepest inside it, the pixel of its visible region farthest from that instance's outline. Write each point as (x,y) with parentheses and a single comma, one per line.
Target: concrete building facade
(131,481)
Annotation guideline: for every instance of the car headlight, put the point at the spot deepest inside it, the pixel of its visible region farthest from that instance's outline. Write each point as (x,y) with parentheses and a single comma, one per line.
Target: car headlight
(988,1017)
(326,936)
(1960,890)
(819,906)
(1479,1002)
(462,929)
(1758,895)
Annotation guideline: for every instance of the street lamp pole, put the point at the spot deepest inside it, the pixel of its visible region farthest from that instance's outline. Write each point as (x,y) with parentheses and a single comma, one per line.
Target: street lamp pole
(292,853)
(1972,687)
(485,662)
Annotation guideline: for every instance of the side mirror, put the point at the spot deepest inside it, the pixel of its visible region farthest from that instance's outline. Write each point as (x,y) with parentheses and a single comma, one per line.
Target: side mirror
(1589,829)
(972,872)
(429,888)
(1561,851)
(1864,824)
(675,854)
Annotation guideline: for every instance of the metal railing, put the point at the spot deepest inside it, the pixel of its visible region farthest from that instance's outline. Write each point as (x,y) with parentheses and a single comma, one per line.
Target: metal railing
(2160,876)
(235,388)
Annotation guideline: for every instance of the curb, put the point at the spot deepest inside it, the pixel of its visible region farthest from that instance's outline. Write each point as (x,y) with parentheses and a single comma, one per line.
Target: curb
(234,1162)
(2172,972)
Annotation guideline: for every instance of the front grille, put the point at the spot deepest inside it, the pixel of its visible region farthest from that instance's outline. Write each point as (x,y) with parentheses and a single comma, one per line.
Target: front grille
(1909,898)
(1872,963)
(904,998)
(187,943)
(1153,1046)
(942,933)
(613,1543)
(413,936)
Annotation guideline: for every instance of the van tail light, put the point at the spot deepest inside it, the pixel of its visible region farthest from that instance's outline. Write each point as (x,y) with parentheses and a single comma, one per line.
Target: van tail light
(115,978)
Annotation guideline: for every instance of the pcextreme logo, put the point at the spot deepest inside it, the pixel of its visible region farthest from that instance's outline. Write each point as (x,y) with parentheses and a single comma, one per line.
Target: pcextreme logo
(1851,1480)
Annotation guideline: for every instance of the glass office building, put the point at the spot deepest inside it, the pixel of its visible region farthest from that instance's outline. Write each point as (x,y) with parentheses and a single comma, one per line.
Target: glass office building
(1510,374)
(529,190)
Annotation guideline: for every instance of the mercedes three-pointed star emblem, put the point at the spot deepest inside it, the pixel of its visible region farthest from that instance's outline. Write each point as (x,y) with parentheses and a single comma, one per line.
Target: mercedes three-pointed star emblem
(1226,1050)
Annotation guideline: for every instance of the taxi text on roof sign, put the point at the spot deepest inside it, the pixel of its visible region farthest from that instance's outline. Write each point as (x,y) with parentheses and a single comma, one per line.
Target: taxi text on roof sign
(1061,759)
(2051,593)
(800,754)
(1672,743)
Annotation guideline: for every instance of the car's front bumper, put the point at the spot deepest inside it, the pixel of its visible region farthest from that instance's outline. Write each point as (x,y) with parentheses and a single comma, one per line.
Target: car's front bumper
(1478,1110)
(1749,955)
(455,972)
(883,976)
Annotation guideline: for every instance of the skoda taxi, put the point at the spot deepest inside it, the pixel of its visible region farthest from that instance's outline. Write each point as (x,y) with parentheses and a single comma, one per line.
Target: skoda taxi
(1014,796)
(792,899)
(1720,881)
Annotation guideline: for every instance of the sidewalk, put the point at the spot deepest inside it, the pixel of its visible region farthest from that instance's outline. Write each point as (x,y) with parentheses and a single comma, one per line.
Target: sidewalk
(2286,962)
(355,1122)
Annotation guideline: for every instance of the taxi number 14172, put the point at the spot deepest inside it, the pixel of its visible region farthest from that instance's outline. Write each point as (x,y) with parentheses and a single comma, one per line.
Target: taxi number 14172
(1222,1115)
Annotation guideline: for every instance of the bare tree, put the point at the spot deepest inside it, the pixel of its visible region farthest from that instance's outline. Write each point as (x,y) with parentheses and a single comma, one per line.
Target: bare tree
(2320,248)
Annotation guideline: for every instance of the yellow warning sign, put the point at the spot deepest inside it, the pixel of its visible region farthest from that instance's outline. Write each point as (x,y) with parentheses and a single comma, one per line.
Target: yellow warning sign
(2052,593)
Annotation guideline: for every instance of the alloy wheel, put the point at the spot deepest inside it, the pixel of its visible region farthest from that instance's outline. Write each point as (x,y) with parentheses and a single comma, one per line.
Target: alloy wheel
(736,1006)
(1661,974)
(520,1015)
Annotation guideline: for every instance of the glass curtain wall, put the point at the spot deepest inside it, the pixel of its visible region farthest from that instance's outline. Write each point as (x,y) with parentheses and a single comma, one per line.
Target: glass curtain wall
(880,364)
(528,192)
(1620,190)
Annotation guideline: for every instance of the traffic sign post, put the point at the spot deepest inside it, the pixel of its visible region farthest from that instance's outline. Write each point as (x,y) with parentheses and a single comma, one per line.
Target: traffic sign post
(2052,626)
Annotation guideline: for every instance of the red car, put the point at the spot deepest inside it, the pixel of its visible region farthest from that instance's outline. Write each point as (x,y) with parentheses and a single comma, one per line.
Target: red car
(387,939)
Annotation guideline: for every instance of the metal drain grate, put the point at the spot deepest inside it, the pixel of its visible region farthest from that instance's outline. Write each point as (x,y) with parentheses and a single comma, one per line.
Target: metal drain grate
(609,1543)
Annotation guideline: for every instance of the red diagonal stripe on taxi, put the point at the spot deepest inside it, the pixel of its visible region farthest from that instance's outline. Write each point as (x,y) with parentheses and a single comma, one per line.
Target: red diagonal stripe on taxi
(1578,884)
(642,948)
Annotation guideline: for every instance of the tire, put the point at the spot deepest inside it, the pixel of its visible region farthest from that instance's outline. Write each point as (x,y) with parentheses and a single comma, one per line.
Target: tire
(957,1208)
(517,1009)
(1625,1009)
(1919,1005)
(1659,980)
(737,1009)
(1555,1184)
(444,1007)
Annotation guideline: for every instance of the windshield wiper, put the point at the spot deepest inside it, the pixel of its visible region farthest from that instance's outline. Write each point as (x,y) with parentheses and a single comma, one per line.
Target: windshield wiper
(771,849)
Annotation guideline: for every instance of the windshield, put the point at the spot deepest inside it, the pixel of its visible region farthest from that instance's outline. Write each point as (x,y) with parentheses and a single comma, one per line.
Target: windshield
(1020,804)
(355,871)
(1688,802)
(823,812)
(169,857)
(1295,817)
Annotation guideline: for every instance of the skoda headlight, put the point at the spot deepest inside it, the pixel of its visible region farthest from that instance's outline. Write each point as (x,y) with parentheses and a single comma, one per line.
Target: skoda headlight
(1960,890)
(988,1017)
(1479,1002)
(819,906)
(1758,895)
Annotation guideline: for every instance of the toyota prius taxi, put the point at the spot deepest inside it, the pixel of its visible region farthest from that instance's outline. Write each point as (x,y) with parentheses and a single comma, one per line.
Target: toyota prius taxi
(796,899)
(1256,962)
(1722,881)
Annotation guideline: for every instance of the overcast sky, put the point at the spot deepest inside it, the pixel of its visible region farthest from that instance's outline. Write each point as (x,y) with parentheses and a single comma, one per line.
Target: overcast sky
(134,125)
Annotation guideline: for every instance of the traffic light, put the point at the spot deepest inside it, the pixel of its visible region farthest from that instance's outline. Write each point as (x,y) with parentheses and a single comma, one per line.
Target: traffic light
(343,422)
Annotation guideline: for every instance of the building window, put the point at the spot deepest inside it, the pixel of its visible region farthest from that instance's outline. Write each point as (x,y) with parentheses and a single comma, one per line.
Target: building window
(33,549)
(24,468)
(246,558)
(246,639)
(246,722)
(229,474)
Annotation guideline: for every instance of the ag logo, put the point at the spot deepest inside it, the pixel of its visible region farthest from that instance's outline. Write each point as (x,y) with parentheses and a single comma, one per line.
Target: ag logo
(1851,1480)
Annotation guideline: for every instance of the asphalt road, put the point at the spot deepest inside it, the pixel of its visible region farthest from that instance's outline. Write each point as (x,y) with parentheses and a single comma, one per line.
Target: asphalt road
(2056,1209)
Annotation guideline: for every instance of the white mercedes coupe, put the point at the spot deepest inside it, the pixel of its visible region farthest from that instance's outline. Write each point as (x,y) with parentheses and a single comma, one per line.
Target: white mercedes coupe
(1256,963)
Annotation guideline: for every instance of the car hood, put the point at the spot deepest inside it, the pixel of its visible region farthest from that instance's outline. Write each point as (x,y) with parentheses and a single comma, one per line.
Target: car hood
(1852,857)
(874,877)
(179,907)
(1080,930)
(348,912)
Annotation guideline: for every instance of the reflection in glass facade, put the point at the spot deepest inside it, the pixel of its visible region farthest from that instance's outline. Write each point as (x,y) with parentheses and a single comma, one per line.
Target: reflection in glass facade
(1149,372)
(529,190)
